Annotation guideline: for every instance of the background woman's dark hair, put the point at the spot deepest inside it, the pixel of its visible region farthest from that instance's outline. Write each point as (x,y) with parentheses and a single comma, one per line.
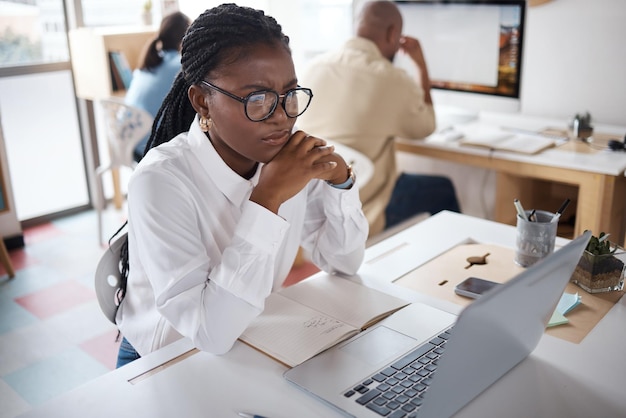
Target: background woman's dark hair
(169,38)
(218,37)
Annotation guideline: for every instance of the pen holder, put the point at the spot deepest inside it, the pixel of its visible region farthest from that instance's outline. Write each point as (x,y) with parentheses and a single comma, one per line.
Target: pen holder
(535,239)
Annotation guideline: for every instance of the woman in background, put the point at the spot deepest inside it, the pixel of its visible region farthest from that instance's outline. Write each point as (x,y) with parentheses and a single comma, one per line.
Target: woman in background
(158,65)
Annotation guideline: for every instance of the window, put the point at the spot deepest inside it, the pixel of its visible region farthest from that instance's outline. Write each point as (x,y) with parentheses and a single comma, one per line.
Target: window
(32,32)
(115,12)
(38,109)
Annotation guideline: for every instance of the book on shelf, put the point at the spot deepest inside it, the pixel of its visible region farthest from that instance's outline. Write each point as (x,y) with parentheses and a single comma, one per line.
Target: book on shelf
(116,79)
(121,72)
(308,317)
(505,140)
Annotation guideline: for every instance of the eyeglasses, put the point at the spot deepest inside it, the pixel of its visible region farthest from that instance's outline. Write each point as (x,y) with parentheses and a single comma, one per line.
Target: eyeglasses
(260,105)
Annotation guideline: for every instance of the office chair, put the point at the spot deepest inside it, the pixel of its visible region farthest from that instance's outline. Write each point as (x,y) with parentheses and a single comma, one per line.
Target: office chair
(125,127)
(108,279)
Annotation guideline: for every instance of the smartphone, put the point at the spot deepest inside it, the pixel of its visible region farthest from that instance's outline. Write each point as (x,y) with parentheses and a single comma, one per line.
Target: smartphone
(474,287)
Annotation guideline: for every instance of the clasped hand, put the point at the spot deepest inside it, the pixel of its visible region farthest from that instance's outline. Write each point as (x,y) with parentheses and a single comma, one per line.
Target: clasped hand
(301,159)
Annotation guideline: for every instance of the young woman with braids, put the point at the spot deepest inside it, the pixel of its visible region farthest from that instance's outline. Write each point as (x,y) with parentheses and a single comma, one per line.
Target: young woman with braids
(227,192)
(158,65)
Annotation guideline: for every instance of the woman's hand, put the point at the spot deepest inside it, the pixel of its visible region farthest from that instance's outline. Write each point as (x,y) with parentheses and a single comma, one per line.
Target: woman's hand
(340,173)
(303,158)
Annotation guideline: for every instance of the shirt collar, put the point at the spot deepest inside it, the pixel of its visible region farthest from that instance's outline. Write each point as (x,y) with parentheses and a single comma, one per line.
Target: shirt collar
(232,185)
(364,45)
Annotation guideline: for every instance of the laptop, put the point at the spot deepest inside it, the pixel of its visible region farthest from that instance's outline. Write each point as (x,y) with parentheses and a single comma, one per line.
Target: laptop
(425,362)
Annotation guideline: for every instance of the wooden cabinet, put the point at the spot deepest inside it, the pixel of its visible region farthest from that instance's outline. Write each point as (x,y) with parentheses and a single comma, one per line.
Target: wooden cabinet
(90,49)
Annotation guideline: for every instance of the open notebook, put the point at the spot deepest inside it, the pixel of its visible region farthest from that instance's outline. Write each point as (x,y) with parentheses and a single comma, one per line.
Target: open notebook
(504,140)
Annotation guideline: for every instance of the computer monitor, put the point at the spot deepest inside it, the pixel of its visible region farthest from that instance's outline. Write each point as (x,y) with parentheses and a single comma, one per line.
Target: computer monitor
(473,50)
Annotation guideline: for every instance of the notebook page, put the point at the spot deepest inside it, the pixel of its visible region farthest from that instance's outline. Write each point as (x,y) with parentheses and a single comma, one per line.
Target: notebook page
(343,299)
(292,333)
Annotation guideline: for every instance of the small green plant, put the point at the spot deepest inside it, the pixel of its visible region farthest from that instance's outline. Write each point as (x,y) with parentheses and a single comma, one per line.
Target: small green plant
(600,245)
(147,5)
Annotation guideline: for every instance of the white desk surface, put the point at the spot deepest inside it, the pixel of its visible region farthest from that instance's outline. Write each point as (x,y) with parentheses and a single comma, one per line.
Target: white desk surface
(559,379)
(602,162)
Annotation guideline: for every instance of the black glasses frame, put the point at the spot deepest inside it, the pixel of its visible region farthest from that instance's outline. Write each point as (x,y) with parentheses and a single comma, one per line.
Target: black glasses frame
(245,99)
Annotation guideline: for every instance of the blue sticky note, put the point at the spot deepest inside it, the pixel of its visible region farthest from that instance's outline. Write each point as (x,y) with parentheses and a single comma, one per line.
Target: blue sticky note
(568,302)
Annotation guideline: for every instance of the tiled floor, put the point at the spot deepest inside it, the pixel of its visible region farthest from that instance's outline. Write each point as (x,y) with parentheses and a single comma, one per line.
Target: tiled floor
(53,336)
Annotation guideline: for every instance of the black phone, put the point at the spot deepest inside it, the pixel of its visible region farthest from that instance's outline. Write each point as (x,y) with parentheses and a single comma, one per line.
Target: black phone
(474,287)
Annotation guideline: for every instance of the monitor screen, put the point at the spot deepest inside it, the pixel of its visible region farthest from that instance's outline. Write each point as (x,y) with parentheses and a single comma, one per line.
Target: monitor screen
(473,50)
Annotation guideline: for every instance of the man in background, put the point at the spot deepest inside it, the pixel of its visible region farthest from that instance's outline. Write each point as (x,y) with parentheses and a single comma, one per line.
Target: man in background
(362,101)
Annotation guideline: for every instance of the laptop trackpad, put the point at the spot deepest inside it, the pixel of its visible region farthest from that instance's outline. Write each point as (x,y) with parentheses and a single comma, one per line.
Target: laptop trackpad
(379,345)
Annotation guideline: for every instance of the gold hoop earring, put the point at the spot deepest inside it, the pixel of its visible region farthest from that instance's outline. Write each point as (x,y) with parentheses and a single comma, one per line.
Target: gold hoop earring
(205,123)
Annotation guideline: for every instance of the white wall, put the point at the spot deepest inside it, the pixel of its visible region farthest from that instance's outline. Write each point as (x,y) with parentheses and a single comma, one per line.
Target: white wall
(574,61)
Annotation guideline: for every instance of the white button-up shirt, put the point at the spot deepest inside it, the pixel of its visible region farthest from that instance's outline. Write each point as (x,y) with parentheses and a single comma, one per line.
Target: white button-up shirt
(203,257)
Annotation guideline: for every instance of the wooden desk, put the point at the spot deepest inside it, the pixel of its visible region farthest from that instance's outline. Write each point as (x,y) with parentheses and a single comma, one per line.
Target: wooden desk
(597,175)
(559,379)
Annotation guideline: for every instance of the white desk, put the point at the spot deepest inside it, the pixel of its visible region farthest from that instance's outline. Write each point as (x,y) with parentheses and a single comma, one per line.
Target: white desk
(559,379)
(598,175)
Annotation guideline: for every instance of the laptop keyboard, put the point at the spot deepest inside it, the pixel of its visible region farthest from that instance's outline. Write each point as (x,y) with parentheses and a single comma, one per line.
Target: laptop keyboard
(397,391)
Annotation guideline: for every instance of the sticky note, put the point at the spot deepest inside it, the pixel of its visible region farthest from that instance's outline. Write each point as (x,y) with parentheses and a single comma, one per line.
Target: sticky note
(557,319)
(568,302)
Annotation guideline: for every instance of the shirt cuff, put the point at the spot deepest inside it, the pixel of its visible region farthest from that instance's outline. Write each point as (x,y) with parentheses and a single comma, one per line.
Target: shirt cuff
(347,200)
(260,227)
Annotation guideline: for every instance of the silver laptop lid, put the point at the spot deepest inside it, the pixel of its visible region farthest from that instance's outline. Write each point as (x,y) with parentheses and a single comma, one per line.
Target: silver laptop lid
(499,330)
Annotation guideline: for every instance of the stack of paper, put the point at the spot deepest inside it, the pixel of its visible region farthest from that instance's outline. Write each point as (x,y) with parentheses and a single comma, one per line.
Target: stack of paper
(566,304)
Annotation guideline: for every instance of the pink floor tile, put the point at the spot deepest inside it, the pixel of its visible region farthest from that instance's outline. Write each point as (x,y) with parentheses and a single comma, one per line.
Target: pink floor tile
(103,348)
(40,233)
(56,299)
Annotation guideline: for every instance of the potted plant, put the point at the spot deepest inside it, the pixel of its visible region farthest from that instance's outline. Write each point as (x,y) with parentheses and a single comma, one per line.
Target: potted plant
(581,126)
(601,267)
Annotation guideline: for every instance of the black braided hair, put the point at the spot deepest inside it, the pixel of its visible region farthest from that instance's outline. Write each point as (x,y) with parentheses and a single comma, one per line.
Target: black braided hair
(218,37)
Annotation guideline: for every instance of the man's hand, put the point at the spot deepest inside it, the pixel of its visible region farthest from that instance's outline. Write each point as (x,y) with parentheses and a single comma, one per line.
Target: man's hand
(413,49)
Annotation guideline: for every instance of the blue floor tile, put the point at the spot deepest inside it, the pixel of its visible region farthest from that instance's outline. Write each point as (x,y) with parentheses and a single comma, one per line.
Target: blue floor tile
(46,379)
(13,316)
